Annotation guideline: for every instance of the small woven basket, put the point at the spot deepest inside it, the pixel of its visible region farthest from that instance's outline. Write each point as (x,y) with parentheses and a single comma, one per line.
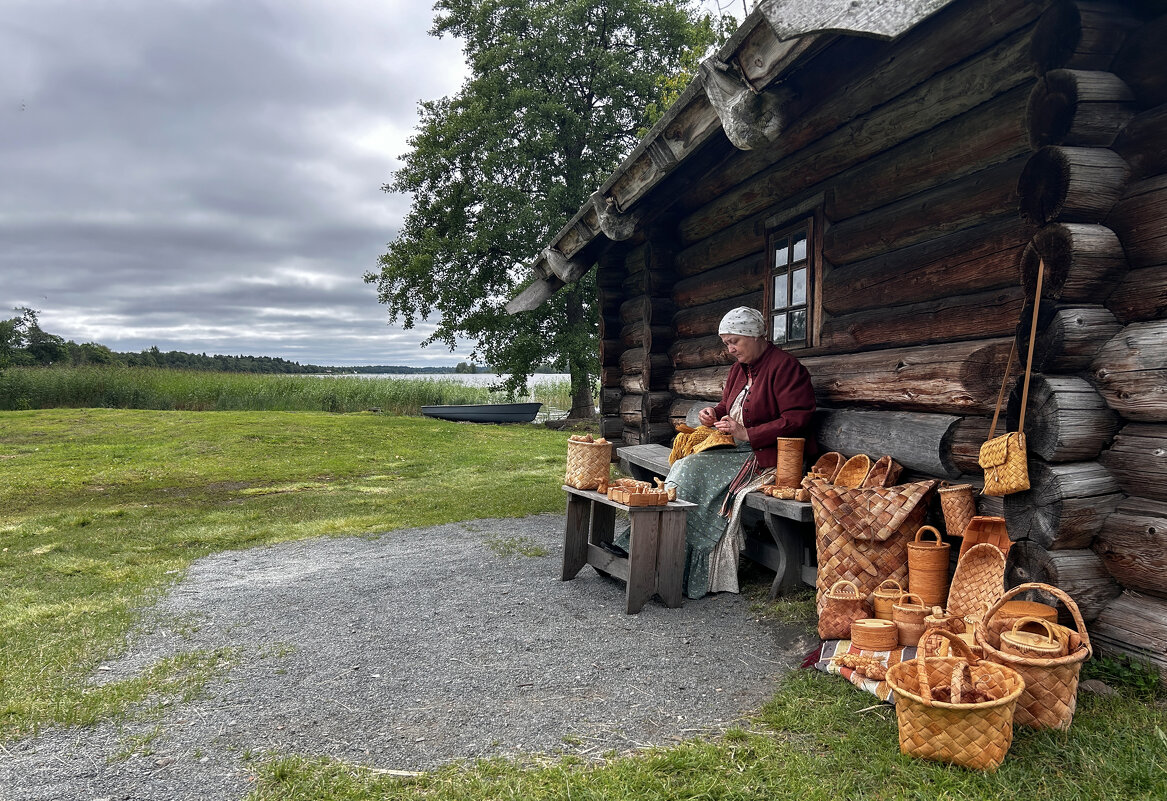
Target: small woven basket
(909,618)
(842,605)
(959,504)
(828,465)
(883,473)
(874,634)
(938,619)
(984,528)
(788,473)
(975,735)
(1010,612)
(588,464)
(977,583)
(1050,695)
(854,471)
(1050,642)
(884,596)
(928,567)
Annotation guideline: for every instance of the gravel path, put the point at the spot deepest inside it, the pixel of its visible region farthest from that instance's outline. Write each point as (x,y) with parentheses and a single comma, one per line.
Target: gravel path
(407,651)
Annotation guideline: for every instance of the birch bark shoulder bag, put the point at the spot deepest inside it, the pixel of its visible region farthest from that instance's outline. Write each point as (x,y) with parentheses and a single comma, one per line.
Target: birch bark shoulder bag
(1004,458)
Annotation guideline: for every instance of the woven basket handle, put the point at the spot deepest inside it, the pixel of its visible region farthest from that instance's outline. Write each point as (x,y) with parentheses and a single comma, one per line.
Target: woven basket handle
(1052,590)
(910,596)
(1028,360)
(845,584)
(893,582)
(956,683)
(1050,633)
(922,529)
(956,645)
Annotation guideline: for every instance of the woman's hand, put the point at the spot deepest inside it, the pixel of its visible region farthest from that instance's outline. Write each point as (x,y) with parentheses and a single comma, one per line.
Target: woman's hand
(707,417)
(727,425)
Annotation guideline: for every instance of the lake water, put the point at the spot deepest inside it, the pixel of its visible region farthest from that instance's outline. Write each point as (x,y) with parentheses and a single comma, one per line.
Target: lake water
(470,379)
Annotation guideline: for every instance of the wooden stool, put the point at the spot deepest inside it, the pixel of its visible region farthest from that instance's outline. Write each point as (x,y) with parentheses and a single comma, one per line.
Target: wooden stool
(656,548)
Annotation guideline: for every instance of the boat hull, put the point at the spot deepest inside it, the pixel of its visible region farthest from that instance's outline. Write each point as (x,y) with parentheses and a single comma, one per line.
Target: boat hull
(485,412)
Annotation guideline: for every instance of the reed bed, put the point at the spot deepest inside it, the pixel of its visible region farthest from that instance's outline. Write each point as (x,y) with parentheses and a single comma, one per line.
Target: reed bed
(159,389)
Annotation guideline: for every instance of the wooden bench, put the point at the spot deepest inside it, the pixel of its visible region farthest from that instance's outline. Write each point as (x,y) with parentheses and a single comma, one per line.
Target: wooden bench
(656,545)
(788,549)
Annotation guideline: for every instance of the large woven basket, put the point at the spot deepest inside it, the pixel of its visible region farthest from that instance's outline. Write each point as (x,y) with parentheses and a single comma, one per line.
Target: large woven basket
(883,473)
(975,735)
(854,471)
(862,534)
(928,567)
(1051,685)
(959,504)
(588,464)
(977,583)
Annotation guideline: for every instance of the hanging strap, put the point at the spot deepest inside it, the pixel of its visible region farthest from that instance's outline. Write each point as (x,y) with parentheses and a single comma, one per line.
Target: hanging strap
(1028,359)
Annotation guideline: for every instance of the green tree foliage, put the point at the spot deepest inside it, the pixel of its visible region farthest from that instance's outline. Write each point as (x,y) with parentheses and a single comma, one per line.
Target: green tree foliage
(23,342)
(556,96)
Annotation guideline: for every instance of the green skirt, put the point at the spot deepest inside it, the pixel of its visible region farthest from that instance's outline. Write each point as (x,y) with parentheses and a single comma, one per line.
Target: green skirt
(703,479)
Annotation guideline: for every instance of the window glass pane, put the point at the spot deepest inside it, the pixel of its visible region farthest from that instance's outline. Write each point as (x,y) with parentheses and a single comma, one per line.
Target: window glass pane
(780,299)
(798,325)
(780,254)
(800,247)
(798,287)
(778,335)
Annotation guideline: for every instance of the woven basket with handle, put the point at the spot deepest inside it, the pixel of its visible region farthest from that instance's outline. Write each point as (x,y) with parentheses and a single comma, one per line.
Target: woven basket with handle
(1051,685)
(842,605)
(928,566)
(828,465)
(862,534)
(908,613)
(959,504)
(1036,637)
(886,594)
(883,473)
(975,735)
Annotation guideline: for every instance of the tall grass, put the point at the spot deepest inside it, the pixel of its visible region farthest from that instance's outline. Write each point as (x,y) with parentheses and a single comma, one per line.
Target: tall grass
(24,388)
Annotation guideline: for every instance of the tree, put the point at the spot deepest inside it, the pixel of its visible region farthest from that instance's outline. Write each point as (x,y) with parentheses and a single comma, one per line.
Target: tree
(22,342)
(555,98)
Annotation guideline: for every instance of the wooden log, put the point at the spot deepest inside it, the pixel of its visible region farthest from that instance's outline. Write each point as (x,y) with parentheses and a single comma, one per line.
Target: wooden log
(1065,505)
(610,401)
(705,383)
(1083,262)
(1141,143)
(687,354)
(958,378)
(652,406)
(1082,108)
(1079,573)
(720,283)
(1140,220)
(1133,545)
(610,322)
(611,427)
(1135,626)
(633,360)
(953,318)
(977,258)
(1071,340)
(947,208)
(703,320)
(1142,295)
(1138,460)
(656,432)
(1071,184)
(1142,62)
(683,411)
(861,97)
(964,448)
(1080,35)
(631,436)
(736,242)
(610,376)
(1131,371)
(633,383)
(919,442)
(650,337)
(610,350)
(647,310)
(648,282)
(1067,420)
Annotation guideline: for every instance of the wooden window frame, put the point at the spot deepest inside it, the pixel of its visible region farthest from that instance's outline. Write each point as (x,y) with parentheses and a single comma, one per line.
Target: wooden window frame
(777,235)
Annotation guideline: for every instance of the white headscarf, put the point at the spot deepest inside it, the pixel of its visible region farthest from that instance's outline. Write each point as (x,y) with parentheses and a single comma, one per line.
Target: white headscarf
(744,322)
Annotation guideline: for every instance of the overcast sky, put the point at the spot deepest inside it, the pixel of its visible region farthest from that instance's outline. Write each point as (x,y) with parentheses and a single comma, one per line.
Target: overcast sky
(205,175)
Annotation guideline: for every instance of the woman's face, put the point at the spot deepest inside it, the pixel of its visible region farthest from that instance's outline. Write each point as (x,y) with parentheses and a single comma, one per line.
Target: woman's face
(744,349)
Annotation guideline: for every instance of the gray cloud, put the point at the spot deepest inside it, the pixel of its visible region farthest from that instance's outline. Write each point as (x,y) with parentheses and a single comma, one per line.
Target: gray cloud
(205,175)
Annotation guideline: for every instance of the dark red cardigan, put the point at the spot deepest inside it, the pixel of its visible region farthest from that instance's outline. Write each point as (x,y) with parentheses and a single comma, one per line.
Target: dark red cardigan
(780,403)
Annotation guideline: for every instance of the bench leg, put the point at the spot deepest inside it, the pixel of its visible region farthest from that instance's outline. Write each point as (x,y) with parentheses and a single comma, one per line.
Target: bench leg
(575,540)
(642,556)
(788,575)
(670,562)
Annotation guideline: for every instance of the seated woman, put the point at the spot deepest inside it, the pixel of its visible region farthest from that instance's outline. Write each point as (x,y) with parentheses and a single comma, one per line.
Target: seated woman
(767,395)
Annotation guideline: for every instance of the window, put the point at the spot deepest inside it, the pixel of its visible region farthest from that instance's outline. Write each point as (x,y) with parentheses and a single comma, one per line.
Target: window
(790,285)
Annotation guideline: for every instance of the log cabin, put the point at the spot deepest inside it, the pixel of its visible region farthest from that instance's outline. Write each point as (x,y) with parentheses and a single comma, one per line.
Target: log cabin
(883,180)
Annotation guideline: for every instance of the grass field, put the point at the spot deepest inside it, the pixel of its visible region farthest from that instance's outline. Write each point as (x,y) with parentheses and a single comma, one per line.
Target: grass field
(23,388)
(102,509)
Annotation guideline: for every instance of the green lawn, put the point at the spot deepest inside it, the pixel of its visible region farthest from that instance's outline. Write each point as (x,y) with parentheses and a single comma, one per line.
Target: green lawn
(100,510)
